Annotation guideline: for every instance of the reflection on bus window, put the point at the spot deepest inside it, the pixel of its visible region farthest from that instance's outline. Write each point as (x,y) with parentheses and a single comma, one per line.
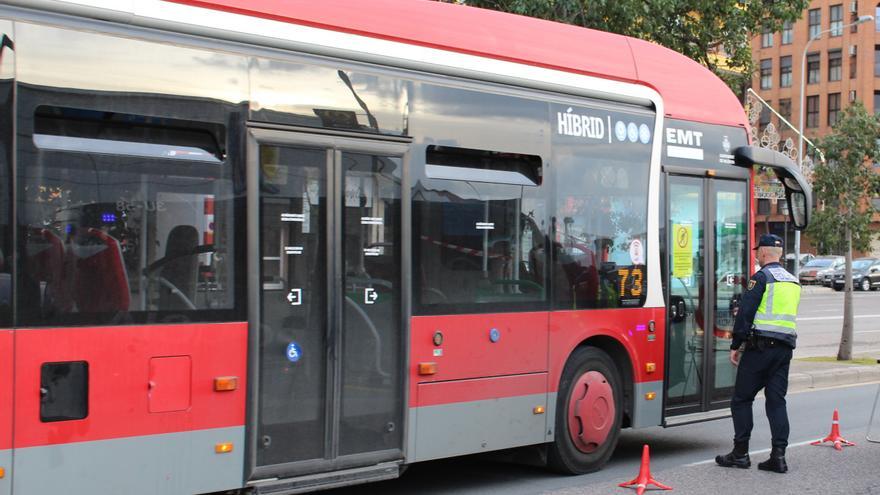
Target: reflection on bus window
(600,226)
(479,247)
(120,238)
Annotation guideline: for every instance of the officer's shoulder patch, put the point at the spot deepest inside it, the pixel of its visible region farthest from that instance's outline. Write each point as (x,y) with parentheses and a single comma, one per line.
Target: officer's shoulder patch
(752,284)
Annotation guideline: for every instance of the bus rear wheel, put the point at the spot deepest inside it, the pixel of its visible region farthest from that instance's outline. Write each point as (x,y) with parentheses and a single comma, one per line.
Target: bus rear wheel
(589,411)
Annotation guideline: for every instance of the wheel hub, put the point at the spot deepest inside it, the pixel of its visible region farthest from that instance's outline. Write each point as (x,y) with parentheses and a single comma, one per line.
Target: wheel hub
(591,411)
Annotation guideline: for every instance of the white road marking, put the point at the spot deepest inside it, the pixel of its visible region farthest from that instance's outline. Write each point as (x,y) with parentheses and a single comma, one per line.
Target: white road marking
(753,452)
(838,317)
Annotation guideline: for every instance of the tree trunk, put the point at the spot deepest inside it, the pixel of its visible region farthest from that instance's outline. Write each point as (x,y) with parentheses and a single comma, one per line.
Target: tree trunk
(844,352)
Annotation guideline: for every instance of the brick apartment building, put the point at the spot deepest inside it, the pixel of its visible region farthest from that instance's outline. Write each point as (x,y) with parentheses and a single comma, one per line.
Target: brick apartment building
(842,66)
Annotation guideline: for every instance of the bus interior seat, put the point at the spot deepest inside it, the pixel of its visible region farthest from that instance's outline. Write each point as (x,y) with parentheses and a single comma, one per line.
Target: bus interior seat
(101,280)
(182,269)
(45,263)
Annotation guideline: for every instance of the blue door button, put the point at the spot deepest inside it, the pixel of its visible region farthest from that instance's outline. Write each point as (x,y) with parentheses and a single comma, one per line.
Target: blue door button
(494,335)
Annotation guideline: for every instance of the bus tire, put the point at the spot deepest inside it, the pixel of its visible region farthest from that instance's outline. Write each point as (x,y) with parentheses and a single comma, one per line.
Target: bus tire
(590,384)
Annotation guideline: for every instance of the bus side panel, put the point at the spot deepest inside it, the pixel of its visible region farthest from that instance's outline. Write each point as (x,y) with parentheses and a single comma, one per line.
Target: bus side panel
(153,417)
(491,374)
(630,328)
(6,367)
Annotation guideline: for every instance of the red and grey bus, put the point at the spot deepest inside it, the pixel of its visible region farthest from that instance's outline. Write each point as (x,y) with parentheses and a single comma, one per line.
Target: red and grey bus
(282,246)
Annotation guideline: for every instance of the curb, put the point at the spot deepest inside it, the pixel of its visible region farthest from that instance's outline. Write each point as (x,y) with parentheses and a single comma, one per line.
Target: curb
(836,377)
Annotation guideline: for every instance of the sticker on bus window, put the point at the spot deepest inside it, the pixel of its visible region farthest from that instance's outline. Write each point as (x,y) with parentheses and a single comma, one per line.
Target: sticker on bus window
(636,252)
(294,352)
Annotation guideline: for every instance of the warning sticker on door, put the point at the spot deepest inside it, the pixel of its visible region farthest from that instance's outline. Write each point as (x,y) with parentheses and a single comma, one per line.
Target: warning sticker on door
(682,250)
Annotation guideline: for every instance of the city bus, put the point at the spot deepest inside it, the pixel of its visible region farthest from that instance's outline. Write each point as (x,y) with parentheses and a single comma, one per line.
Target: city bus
(275,247)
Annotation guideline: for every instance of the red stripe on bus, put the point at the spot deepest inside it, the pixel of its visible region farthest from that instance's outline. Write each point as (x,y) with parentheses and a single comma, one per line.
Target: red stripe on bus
(6,362)
(432,394)
(119,360)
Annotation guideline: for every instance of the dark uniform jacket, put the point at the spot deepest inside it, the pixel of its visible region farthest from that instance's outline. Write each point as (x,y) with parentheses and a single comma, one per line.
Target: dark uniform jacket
(751,299)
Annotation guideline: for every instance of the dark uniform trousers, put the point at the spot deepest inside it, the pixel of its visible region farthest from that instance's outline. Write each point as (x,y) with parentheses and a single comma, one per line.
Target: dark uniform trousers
(764,366)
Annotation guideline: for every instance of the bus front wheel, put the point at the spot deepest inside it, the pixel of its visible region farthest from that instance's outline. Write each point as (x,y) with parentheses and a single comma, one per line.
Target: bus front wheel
(589,411)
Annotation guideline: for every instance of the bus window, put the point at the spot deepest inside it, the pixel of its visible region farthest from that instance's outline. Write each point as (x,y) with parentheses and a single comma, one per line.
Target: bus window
(600,224)
(479,246)
(125,219)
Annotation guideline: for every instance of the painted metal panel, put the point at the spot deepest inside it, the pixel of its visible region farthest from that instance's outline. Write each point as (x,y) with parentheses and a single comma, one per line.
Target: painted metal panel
(170,384)
(480,426)
(6,465)
(6,374)
(119,380)
(176,463)
(432,394)
(470,348)
(630,327)
(647,412)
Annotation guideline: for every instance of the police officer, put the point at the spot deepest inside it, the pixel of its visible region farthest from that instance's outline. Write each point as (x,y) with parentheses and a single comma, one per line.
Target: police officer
(763,340)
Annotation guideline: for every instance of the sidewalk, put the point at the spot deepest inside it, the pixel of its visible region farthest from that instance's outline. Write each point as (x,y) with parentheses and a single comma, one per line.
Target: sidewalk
(805,375)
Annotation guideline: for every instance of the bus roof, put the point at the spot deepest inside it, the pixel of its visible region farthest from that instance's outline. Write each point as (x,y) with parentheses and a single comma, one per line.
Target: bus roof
(689,90)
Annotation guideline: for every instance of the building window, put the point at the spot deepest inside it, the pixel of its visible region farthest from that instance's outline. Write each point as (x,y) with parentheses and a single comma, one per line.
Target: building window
(876,60)
(835,65)
(876,102)
(763,207)
(782,207)
(785,72)
(813,111)
(877,18)
(785,108)
(764,118)
(853,61)
(766,73)
(815,22)
(766,38)
(833,108)
(836,24)
(786,32)
(813,68)
(854,16)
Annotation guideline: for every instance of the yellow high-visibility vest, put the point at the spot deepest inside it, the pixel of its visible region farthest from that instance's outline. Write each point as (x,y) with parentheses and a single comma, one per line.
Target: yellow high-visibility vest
(777,313)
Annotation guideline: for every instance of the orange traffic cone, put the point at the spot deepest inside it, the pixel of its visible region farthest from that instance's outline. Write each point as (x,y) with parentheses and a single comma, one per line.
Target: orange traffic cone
(834,436)
(644,478)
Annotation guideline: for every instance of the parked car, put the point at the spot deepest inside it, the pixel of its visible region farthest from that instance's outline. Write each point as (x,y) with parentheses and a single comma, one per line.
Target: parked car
(817,268)
(804,259)
(826,275)
(865,274)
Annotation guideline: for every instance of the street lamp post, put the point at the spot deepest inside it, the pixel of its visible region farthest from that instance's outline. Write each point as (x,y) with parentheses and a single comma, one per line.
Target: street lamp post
(803,98)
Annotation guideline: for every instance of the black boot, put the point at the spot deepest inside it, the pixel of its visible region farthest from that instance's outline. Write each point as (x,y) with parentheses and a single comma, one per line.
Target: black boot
(738,457)
(775,463)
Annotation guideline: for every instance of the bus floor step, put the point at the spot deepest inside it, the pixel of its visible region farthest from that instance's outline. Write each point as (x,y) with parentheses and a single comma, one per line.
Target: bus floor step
(324,481)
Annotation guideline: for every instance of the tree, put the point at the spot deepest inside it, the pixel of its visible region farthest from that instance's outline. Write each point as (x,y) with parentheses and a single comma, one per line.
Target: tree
(699,29)
(845,186)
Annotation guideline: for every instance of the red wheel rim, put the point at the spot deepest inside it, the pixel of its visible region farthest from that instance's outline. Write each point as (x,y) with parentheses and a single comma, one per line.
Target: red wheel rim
(591,411)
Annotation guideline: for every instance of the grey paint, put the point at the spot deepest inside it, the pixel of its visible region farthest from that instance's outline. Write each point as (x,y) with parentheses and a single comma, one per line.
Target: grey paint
(647,412)
(550,430)
(176,463)
(6,464)
(481,426)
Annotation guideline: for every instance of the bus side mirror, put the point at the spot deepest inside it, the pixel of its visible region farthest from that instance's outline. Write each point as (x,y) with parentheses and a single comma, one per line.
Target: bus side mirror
(797,190)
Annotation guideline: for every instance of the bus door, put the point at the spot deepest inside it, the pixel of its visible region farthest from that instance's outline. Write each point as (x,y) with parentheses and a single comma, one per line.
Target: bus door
(707,230)
(327,322)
